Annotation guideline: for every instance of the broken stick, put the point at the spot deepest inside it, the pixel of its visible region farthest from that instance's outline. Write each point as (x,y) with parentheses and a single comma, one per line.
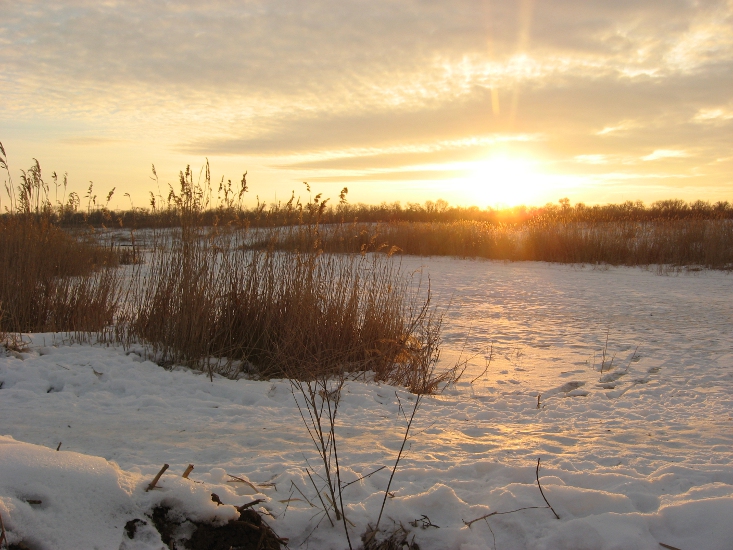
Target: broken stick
(156,478)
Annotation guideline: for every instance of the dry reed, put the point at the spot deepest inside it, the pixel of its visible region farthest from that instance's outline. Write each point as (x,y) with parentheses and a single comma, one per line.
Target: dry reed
(687,242)
(202,295)
(205,299)
(50,280)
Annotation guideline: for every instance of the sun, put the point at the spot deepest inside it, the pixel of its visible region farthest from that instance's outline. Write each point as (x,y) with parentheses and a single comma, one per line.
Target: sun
(507,181)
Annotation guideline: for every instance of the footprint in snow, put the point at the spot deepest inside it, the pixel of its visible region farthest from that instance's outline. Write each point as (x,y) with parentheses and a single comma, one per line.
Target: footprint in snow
(618,393)
(611,377)
(569,389)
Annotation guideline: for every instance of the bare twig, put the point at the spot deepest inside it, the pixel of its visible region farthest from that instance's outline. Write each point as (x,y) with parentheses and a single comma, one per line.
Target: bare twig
(418,398)
(488,364)
(301,494)
(490,514)
(156,478)
(59,446)
(324,444)
(188,471)
(320,497)
(332,420)
(605,354)
(363,477)
(537,474)
(633,356)
(493,536)
(236,479)
(424,522)
(287,502)
(605,347)
(399,405)
(469,523)
(249,504)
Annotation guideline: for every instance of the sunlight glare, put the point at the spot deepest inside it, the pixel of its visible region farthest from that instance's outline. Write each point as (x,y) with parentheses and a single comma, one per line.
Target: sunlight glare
(504,180)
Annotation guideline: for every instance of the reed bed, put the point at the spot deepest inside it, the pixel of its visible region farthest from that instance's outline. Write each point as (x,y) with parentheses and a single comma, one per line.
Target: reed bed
(704,243)
(198,297)
(297,297)
(50,280)
(223,209)
(205,301)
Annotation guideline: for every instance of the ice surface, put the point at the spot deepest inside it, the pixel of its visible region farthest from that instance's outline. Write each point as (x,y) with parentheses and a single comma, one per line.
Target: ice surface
(638,454)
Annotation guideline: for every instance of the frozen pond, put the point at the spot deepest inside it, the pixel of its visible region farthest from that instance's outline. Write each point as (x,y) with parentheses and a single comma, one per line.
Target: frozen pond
(667,373)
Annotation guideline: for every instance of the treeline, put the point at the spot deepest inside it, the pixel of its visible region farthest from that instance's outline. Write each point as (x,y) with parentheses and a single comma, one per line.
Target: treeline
(223,203)
(672,232)
(320,210)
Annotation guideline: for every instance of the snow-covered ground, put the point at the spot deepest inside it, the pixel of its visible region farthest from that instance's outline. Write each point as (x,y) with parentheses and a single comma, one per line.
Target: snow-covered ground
(637,455)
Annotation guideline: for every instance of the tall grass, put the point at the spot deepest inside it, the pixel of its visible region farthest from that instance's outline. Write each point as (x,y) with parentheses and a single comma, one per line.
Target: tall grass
(686,242)
(280,314)
(671,232)
(50,280)
(202,299)
(205,300)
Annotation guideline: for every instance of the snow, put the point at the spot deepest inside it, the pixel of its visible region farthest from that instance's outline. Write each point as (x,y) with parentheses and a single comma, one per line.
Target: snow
(639,454)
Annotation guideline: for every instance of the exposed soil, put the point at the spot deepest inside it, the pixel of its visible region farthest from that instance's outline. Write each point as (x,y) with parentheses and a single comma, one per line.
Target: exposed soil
(248,532)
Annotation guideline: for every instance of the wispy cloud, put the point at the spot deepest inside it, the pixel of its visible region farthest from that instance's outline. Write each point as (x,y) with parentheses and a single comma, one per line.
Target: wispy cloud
(665,154)
(720,114)
(591,159)
(88,141)
(335,85)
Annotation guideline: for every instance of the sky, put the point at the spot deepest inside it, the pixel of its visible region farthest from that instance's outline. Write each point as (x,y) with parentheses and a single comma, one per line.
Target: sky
(478,102)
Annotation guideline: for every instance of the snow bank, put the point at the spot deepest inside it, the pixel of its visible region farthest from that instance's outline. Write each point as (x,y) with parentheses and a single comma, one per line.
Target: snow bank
(66,500)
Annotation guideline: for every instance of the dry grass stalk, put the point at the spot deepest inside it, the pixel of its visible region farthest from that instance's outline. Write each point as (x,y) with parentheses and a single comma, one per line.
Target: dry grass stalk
(677,242)
(317,401)
(201,295)
(157,478)
(50,280)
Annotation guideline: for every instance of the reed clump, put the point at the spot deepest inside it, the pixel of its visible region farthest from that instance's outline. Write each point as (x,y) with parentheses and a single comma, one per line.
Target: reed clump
(197,294)
(50,280)
(206,299)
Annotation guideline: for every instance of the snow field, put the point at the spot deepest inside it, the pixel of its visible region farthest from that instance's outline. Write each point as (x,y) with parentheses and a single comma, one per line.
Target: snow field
(639,454)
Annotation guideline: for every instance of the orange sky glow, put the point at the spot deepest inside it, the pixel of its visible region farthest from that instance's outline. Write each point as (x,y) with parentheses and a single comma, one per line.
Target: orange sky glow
(478,102)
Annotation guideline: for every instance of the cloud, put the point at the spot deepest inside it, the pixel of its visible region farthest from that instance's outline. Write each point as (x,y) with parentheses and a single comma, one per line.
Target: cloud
(334,85)
(392,51)
(400,175)
(591,159)
(665,154)
(714,115)
(87,141)
(622,126)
